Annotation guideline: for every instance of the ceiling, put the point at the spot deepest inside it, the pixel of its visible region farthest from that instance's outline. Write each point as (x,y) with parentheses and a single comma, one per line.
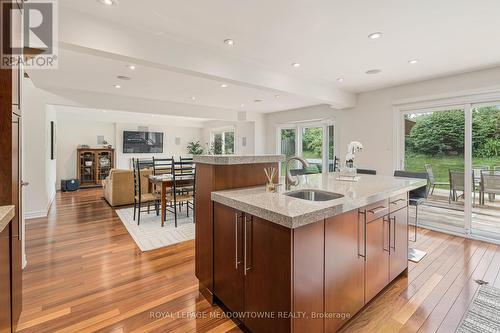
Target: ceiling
(329,38)
(88,72)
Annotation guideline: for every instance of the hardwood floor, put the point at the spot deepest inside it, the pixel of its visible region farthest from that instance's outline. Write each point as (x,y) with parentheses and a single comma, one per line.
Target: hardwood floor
(85,274)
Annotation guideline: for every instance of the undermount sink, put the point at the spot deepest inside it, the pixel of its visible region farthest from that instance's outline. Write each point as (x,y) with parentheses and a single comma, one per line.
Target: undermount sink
(314,195)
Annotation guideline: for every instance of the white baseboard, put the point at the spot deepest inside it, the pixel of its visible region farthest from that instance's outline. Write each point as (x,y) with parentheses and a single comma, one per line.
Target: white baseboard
(40,213)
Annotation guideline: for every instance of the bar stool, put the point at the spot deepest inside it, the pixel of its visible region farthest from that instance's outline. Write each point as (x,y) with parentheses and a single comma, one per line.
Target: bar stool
(417,198)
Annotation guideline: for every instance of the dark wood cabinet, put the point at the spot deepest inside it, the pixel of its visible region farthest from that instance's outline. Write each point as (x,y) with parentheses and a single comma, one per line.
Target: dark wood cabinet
(209,178)
(377,257)
(5,296)
(332,267)
(267,263)
(245,273)
(344,267)
(399,242)
(228,257)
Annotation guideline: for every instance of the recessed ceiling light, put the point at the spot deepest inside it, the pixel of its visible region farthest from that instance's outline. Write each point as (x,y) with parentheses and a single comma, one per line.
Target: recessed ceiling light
(123,77)
(132,67)
(295,64)
(340,79)
(193,98)
(242,105)
(229,42)
(277,96)
(117,86)
(375,35)
(413,61)
(257,100)
(108,2)
(223,85)
(152,115)
(373,71)
(104,111)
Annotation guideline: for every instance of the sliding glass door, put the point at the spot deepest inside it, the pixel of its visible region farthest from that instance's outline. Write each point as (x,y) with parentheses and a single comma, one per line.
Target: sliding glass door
(459,148)
(434,144)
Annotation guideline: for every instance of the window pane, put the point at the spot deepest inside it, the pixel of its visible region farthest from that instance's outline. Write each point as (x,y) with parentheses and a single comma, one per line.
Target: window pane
(331,150)
(218,143)
(312,146)
(435,144)
(486,171)
(287,147)
(228,143)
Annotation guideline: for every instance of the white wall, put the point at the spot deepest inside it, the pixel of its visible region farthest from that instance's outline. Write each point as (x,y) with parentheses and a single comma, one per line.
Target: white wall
(82,127)
(170,148)
(372,120)
(73,130)
(38,169)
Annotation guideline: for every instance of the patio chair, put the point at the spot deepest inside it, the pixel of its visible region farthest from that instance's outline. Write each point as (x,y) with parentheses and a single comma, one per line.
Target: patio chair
(432,180)
(496,168)
(490,184)
(477,170)
(457,183)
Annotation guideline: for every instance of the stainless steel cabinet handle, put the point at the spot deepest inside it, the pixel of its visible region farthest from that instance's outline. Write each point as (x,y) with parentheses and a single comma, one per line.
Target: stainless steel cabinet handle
(244,244)
(236,240)
(383,227)
(393,232)
(362,218)
(377,210)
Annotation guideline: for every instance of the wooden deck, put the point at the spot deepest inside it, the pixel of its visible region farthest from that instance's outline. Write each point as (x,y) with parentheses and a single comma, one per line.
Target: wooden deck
(438,212)
(85,274)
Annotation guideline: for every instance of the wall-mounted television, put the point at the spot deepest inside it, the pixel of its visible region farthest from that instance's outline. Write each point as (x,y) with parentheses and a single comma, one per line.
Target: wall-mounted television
(137,142)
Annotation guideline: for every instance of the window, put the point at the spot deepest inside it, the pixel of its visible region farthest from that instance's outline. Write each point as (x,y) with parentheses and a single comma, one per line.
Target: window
(223,142)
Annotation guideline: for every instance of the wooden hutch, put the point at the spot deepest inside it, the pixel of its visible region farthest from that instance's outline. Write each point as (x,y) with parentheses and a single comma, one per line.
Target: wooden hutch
(93,165)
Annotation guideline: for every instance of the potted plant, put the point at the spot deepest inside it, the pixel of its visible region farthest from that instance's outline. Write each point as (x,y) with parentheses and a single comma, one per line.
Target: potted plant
(195,148)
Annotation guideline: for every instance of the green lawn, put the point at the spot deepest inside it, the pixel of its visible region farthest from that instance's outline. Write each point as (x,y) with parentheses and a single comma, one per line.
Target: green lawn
(441,165)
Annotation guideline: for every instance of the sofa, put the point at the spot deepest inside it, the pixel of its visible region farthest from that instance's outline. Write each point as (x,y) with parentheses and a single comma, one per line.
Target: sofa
(118,187)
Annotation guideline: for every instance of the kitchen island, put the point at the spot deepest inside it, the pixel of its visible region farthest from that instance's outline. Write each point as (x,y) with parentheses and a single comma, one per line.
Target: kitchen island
(286,264)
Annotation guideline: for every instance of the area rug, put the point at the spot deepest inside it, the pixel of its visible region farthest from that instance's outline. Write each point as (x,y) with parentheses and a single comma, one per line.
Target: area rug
(484,313)
(150,235)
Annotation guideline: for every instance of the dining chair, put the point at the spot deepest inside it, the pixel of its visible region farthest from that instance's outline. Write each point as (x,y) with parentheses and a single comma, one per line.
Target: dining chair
(162,166)
(366,171)
(490,184)
(432,180)
(139,197)
(183,188)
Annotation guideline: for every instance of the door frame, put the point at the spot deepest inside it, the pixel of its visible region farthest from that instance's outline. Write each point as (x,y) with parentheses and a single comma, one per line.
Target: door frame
(466,102)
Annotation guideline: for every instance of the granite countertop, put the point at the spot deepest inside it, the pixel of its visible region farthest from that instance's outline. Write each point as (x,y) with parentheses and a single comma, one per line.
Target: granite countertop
(292,212)
(6,215)
(237,159)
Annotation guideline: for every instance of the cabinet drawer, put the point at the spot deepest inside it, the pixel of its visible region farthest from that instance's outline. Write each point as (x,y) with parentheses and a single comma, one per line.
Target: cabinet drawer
(376,210)
(398,202)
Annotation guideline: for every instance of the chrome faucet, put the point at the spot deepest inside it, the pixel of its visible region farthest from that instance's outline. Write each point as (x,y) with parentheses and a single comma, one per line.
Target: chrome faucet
(289,180)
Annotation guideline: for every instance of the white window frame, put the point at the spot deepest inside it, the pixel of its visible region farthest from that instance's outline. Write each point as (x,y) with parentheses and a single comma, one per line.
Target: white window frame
(299,127)
(222,131)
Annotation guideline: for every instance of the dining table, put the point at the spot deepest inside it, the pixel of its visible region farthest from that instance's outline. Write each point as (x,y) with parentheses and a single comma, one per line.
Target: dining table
(165,182)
